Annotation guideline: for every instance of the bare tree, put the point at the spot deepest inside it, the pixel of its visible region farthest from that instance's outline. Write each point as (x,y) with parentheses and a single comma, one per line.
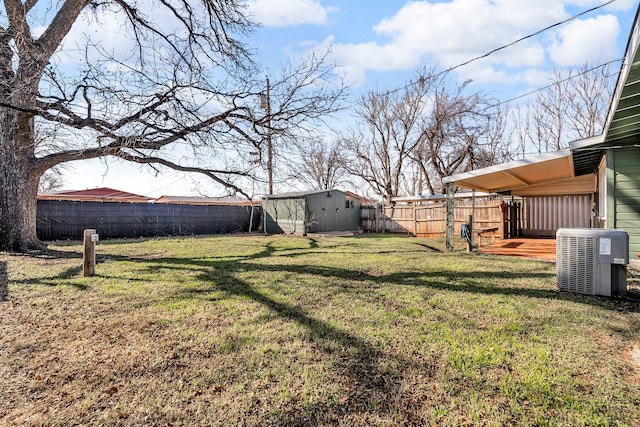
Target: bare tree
(588,99)
(322,165)
(388,133)
(519,130)
(304,93)
(459,132)
(573,107)
(411,139)
(493,146)
(549,115)
(51,180)
(183,95)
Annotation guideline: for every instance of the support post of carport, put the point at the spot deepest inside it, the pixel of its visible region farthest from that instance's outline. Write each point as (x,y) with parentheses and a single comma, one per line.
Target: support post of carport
(450,229)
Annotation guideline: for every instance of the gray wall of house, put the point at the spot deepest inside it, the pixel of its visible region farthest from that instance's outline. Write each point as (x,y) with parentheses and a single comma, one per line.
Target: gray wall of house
(623,194)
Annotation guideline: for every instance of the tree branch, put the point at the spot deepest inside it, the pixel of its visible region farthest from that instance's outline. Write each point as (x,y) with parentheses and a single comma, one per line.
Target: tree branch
(59,28)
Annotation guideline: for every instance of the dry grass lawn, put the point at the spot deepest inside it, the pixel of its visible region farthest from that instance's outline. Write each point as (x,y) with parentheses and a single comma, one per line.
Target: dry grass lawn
(259,331)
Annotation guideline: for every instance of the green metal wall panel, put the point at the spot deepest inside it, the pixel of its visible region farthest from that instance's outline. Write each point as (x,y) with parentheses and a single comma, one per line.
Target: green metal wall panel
(284,216)
(319,206)
(328,212)
(624,174)
(316,212)
(627,210)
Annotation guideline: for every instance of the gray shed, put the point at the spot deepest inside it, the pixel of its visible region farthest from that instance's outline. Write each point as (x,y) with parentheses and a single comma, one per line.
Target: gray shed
(310,212)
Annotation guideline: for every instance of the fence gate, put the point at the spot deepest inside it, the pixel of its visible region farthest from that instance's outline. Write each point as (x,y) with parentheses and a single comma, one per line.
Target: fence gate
(513,220)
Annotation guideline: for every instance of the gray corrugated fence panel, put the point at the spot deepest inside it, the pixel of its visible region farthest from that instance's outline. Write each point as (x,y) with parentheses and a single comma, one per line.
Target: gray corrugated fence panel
(66,219)
(544,215)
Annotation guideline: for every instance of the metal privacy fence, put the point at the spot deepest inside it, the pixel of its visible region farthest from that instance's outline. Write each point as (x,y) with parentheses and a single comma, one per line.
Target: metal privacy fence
(58,219)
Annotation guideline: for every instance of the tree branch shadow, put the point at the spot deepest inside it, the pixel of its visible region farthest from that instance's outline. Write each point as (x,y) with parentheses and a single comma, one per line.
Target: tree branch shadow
(372,388)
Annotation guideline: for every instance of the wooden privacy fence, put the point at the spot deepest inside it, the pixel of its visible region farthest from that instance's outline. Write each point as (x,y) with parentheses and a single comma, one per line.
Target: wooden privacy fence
(425,220)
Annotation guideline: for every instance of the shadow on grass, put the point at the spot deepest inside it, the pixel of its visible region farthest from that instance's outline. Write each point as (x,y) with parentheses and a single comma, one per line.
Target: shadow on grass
(372,388)
(380,236)
(374,376)
(66,274)
(451,280)
(470,281)
(48,253)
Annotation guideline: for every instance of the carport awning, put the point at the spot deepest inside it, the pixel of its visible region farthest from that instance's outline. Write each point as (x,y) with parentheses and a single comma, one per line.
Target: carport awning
(545,174)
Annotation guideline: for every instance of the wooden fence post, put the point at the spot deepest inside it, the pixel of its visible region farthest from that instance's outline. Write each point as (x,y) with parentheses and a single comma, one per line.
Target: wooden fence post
(470,227)
(415,219)
(89,258)
(450,221)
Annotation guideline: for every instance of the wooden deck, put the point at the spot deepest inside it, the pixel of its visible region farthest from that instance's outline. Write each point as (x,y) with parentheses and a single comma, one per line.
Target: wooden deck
(528,248)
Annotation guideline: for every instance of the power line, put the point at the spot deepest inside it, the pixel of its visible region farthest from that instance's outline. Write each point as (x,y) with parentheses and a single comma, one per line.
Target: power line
(498,49)
(566,79)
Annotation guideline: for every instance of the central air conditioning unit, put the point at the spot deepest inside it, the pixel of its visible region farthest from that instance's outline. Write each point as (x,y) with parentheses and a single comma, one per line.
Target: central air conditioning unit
(592,261)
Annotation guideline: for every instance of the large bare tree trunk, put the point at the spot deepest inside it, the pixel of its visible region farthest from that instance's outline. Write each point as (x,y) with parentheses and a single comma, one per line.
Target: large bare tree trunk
(139,112)
(18,182)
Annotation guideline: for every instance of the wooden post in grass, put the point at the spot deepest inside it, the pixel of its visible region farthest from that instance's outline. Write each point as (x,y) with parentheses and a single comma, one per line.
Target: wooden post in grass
(450,227)
(470,228)
(89,258)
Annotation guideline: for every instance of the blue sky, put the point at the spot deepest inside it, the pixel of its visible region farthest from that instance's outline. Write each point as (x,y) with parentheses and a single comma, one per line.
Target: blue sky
(379,44)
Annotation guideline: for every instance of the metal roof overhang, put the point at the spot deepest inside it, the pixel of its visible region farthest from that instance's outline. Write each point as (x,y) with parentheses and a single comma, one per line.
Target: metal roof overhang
(545,174)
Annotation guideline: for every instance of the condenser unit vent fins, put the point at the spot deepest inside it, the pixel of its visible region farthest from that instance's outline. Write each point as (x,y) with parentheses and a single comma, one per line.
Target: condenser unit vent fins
(592,261)
(576,266)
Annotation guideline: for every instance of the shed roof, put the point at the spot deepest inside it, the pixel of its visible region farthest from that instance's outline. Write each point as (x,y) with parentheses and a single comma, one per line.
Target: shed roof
(299,194)
(194,200)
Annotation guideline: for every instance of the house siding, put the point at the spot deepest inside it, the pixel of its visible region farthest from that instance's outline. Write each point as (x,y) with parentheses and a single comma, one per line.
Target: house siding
(624,183)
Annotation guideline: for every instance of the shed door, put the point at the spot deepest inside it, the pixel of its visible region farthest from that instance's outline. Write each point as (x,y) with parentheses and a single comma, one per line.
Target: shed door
(329,217)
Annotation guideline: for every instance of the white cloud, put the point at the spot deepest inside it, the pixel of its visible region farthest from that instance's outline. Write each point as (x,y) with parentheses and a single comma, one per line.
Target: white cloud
(287,13)
(619,5)
(590,40)
(458,30)
(455,32)
(469,27)
(622,5)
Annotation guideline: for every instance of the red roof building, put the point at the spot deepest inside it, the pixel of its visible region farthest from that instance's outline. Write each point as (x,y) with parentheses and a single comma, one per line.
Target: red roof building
(102,194)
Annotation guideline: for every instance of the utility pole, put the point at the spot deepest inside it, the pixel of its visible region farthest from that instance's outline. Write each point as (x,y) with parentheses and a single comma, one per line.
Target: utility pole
(265,102)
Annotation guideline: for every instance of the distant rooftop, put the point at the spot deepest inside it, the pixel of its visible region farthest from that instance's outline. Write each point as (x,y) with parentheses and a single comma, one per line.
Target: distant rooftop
(101,194)
(195,200)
